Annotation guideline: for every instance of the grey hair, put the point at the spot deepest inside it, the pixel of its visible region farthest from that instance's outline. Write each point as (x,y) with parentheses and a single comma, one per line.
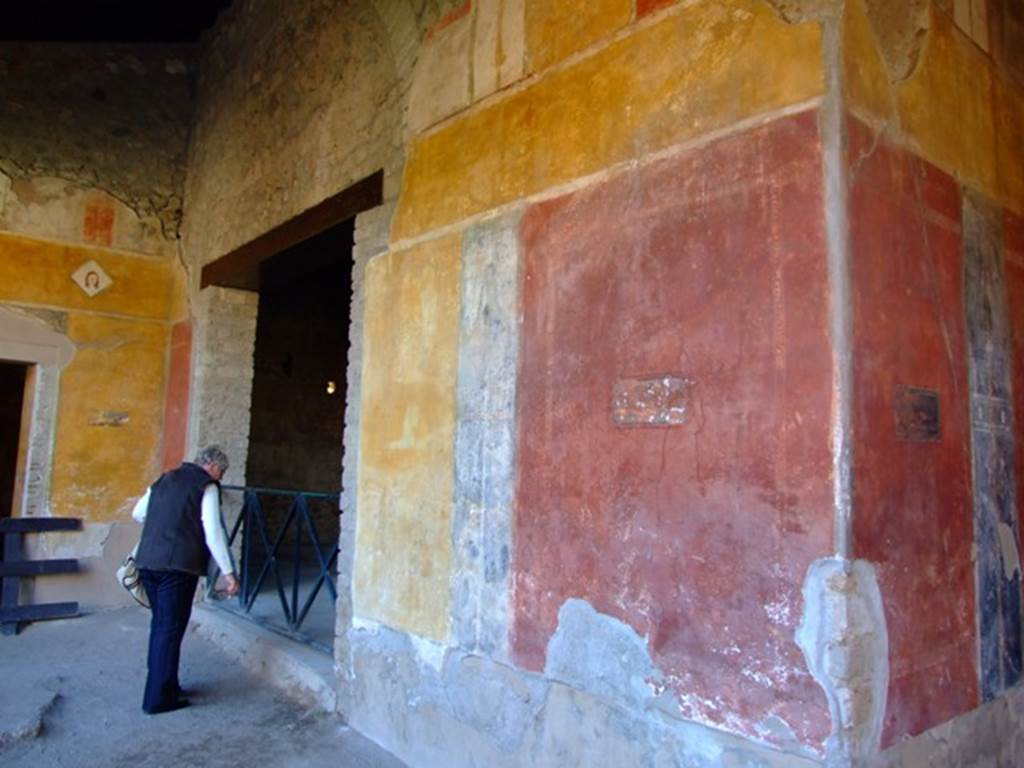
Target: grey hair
(213,455)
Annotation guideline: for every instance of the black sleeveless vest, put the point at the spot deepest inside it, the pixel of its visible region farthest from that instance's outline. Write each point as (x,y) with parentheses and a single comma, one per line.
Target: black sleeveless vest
(172,537)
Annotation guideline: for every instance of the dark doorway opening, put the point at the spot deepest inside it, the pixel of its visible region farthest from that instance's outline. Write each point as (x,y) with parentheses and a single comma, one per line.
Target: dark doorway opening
(298,394)
(12,402)
(296,432)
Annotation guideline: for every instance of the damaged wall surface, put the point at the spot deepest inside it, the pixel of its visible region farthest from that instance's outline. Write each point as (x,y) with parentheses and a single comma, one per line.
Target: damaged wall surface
(104,434)
(936,431)
(913,491)
(608,251)
(296,101)
(645,520)
(667,352)
(568,525)
(93,143)
(113,118)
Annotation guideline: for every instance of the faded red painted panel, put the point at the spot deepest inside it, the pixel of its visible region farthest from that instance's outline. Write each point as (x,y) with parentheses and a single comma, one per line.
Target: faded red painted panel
(709,268)
(176,404)
(459,12)
(912,498)
(1013,229)
(98,222)
(645,7)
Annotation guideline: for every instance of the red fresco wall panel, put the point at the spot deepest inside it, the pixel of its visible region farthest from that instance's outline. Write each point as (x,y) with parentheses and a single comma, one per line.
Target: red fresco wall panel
(912,496)
(1013,229)
(647,7)
(176,404)
(709,268)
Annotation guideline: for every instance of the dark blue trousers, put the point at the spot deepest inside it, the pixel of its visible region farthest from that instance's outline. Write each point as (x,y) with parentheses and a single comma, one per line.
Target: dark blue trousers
(170,596)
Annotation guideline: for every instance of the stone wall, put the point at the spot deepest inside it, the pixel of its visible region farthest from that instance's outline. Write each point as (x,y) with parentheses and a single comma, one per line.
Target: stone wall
(222,362)
(296,101)
(295,437)
(93,142)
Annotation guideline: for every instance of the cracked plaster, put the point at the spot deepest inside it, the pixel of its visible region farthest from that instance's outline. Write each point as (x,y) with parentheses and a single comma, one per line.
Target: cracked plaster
(844,638)
(901,30)
(317,104)
(461,709)
(900,27)
(127,108)
(798,11)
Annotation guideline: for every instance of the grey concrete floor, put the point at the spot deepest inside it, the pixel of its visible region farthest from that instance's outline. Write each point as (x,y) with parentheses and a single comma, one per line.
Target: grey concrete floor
(71,692)
(318,626)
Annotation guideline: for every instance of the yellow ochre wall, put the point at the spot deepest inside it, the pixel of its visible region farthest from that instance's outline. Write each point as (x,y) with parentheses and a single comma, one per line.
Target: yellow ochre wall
(955,109)
(623,89)
(406,453)
(110,407)
(703,67)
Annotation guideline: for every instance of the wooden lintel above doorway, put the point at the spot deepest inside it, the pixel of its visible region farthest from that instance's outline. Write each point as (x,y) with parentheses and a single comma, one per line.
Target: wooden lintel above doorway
(241,267)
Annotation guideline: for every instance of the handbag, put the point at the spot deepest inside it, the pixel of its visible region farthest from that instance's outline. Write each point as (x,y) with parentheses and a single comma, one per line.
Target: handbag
(128,577)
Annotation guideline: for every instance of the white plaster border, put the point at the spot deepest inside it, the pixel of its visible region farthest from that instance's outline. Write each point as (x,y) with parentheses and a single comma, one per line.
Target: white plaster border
(28,339)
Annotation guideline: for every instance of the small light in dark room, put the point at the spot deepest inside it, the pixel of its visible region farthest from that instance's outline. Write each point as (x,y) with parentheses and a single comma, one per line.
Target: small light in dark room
(331,387)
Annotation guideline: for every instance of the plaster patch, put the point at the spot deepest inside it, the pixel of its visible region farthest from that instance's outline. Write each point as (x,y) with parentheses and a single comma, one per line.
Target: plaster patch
(798,11)
(901,30)
(5,188)
(55,320)
(87,542)
(599,654)
(109,419)
(773,728)
(485,437)
(1011,555)
(482,712)
(844,638)
(428,652)
(494,698)
(365,625)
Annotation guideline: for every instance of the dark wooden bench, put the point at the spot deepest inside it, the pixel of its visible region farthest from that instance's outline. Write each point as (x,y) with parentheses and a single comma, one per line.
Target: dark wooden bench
(14,567)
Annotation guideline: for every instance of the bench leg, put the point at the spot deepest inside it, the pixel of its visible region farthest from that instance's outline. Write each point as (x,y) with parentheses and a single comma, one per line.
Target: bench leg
(9,590)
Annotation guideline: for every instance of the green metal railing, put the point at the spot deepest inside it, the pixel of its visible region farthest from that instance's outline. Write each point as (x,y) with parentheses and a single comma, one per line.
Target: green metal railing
(264,542)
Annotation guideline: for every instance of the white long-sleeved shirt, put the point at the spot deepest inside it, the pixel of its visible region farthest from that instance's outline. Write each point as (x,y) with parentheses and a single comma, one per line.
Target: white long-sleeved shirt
(216,539)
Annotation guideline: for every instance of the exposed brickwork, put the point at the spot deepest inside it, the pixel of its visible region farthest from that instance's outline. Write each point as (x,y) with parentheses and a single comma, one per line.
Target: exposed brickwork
(225,335)
(296,101)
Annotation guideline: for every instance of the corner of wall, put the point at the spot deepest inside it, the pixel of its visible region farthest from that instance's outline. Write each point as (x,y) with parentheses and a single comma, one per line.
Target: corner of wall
(844,638)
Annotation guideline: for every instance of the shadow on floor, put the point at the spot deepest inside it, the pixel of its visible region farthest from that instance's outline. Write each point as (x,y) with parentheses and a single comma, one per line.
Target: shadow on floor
(72,694)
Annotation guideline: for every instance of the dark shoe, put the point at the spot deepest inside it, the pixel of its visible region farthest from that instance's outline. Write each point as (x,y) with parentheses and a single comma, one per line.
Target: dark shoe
(174,707)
